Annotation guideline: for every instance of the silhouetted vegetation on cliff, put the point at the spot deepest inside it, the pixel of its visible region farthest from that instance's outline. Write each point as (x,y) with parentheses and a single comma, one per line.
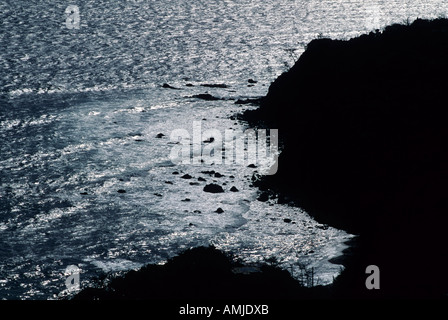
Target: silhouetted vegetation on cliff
(364,123)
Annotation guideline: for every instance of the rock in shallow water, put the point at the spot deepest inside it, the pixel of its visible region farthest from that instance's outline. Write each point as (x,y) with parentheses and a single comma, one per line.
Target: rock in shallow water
(213,188)
(167,86)
(206,96)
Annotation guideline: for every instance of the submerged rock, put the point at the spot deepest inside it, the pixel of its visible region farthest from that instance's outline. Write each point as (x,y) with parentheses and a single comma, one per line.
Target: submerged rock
(212,85)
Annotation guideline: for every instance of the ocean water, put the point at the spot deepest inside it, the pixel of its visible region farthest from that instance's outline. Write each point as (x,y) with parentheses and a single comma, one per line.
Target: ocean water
(82,103)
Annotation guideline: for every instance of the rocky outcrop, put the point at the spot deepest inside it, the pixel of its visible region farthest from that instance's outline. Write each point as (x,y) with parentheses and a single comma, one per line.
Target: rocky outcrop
(364,124)
(200,273)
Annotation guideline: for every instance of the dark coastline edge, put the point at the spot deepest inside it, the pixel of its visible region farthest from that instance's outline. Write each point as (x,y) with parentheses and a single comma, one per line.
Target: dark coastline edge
(363,122)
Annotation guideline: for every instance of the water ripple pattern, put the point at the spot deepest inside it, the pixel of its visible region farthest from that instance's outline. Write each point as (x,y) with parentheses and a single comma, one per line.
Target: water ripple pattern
(85,177)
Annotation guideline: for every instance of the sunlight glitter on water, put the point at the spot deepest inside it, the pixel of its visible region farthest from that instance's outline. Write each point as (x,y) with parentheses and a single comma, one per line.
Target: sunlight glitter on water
(80,112)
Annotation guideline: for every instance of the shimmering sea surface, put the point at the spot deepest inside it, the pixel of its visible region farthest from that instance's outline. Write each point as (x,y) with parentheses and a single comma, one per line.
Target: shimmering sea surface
(81,108)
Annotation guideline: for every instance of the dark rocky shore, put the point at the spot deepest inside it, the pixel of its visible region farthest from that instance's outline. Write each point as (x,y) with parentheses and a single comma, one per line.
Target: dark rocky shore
(364,124)
(365,135)
(203,273)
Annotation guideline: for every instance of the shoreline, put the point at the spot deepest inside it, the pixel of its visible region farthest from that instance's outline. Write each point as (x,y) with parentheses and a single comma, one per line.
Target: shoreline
(209,274)
(375,167)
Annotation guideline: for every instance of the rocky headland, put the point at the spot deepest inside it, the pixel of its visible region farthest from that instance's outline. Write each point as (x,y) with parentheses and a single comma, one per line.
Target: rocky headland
(364,125)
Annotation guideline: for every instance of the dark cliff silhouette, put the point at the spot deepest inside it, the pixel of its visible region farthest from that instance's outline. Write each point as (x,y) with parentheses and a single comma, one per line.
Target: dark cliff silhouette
(364,124)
